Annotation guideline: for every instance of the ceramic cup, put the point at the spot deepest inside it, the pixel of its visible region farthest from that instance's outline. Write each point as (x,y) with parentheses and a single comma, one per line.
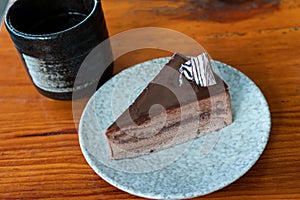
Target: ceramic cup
(53,38)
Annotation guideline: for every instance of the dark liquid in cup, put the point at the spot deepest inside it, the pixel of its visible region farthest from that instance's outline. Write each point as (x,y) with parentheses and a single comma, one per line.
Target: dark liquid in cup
(53,45)
(56,23)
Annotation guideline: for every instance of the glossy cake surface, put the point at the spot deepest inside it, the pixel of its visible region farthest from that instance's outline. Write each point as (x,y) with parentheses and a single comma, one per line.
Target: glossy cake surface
(168,112)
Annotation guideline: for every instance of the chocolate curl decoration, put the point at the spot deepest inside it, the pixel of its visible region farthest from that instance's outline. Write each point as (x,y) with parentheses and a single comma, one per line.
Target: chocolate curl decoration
(198,70)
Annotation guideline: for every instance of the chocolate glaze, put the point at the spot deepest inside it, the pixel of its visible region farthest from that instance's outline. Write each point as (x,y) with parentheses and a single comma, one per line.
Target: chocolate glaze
(164,90)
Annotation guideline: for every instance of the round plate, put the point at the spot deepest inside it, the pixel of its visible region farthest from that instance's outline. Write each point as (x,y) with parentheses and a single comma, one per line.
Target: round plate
(195,168)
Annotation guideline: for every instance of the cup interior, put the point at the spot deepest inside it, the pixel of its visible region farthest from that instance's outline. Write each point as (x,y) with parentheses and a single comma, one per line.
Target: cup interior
(47,17)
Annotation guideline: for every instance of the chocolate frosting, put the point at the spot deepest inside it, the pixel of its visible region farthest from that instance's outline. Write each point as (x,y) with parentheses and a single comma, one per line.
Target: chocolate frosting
(166,91)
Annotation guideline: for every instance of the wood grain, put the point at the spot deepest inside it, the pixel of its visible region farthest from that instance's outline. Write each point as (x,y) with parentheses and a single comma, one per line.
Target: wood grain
(40,155)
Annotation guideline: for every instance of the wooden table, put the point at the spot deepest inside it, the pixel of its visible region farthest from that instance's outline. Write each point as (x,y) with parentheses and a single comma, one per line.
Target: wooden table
(40,155)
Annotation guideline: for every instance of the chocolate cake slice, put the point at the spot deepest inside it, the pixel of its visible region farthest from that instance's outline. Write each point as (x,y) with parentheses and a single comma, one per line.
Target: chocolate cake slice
(171,110)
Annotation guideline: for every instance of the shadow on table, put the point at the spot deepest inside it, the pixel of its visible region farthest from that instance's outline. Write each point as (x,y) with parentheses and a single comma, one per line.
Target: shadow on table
(223,10)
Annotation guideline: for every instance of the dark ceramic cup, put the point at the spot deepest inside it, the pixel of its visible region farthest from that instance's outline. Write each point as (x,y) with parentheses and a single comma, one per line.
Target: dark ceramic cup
(53,38)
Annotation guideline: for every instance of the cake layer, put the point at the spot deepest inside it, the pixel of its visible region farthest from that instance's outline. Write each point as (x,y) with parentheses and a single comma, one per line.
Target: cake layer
(170,110)
(215,113)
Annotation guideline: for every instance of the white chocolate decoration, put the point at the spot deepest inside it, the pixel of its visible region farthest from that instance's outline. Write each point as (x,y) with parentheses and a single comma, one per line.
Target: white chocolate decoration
(198,70)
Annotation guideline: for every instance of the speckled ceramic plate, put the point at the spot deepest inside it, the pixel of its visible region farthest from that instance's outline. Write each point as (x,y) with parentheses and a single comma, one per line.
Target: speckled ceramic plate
(195,168)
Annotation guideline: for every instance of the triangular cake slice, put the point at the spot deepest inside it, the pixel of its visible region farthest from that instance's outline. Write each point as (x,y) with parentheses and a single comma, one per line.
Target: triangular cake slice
(171,110)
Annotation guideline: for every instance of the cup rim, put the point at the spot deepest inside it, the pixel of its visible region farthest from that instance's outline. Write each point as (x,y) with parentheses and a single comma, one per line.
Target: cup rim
(46,35)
